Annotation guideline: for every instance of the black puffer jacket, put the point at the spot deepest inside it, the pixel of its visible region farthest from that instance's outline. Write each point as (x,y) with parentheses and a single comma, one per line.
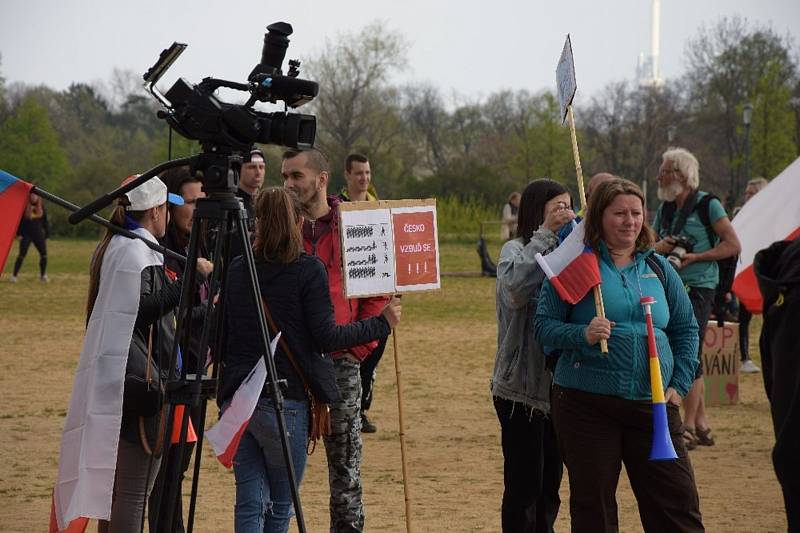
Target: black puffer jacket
(300,305)
(778,271)
(157,301)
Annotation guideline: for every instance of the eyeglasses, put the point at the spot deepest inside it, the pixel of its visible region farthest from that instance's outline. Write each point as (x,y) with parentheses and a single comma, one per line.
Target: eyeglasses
(668,172)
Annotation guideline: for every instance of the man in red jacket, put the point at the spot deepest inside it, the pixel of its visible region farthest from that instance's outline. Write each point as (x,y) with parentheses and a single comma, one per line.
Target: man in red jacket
(306,172)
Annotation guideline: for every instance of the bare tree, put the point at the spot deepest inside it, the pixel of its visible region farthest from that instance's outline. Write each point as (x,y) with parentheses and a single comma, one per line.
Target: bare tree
(354,72)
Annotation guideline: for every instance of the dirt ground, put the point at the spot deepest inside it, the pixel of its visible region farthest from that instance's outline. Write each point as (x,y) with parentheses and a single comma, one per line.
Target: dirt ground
(446,347)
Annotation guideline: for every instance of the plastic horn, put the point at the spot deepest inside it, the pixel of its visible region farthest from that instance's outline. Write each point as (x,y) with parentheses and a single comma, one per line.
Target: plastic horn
(662,449)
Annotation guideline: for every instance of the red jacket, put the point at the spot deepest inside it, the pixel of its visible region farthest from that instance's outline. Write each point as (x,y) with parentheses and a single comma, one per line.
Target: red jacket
(321,238)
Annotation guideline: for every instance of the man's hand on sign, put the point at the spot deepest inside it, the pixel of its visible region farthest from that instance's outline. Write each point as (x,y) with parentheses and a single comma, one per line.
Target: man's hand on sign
(392,311)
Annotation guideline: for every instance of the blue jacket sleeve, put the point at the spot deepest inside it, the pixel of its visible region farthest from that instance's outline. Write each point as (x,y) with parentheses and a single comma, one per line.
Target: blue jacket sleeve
(682,330)
(550,326)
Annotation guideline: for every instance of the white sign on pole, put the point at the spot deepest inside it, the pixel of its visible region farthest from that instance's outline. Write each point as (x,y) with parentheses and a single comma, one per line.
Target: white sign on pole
(389,246)
(367,252)
(565,78)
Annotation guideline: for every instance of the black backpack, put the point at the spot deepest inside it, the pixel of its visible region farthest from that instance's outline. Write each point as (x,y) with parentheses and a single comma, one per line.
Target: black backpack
(727,266)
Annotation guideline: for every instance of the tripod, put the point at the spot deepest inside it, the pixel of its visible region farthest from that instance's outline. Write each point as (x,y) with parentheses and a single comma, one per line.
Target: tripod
(221,208)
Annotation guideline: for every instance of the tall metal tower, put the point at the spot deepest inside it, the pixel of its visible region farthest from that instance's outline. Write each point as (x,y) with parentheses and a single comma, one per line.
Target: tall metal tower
(648,72)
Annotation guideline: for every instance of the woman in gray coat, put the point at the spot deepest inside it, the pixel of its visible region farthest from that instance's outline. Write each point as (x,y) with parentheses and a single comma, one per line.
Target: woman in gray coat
(521,381)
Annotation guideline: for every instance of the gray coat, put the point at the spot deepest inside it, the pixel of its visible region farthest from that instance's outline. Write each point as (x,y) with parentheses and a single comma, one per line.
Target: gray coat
(519,368)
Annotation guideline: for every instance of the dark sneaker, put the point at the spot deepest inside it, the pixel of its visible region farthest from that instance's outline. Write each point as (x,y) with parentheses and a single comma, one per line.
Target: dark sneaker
(366,425)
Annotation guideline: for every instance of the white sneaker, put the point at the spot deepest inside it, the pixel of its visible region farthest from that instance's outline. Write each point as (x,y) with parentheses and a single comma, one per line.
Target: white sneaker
(749,367)
(44,279)
(13,279)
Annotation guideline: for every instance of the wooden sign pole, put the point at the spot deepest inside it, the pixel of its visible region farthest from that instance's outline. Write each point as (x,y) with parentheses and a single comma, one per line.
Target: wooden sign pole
(598,293)
(406,480)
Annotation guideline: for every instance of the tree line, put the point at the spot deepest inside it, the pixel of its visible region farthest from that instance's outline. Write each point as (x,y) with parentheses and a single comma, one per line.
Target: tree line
(81,142)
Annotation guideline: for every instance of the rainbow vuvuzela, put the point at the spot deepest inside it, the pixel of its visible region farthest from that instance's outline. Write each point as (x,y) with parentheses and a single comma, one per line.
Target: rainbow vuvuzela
(662,449)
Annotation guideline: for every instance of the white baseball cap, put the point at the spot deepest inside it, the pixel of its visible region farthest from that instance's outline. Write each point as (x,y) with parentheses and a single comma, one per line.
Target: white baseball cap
(150,194)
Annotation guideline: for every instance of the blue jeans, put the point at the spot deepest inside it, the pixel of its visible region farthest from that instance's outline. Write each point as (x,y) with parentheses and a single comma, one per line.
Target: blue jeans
(263,490)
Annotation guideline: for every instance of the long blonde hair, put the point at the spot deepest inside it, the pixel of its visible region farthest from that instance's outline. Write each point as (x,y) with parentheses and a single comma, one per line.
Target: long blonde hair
(278,236)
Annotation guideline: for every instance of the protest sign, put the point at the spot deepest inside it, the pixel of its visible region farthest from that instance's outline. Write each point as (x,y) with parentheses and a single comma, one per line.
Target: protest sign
(389,246)
(720,360)
(565,79)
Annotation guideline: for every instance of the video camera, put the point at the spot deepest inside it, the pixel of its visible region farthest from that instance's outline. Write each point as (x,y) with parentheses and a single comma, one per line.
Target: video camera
(195,113)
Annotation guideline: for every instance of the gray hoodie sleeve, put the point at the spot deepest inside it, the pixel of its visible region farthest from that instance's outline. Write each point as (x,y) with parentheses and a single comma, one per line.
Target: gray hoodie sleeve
(518,273)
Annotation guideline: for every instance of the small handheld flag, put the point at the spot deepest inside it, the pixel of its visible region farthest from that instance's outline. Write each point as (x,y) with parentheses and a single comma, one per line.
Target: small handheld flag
(227,433)
(572,268)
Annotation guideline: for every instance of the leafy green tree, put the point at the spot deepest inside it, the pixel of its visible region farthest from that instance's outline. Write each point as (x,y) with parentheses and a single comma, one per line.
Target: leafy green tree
(731,64)
(773,127)
(29,146)
(3,104)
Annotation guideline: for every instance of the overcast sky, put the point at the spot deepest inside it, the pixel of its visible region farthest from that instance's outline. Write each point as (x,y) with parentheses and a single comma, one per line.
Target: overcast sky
(470,47)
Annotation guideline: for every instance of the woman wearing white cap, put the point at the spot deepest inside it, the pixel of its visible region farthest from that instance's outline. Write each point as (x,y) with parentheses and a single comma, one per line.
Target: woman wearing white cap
(113,434)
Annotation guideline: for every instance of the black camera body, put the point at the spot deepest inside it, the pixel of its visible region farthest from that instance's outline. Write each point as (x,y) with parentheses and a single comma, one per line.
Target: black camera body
(683,246)
(198,114)
(224,128)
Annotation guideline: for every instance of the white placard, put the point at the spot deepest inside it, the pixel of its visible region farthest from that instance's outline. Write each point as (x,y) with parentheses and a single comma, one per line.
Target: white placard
(368,252)
(565,78)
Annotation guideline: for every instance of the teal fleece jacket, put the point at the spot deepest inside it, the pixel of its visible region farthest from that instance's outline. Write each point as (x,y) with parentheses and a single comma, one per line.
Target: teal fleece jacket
(625,371)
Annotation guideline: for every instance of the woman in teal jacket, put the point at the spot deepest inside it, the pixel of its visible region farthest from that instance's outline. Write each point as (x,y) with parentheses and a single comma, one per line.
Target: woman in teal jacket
(601,404)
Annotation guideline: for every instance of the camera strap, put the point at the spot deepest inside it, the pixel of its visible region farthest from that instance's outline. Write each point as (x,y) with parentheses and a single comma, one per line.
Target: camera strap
(668,213)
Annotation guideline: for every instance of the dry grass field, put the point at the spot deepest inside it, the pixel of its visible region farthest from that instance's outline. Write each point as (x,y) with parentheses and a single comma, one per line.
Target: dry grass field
(446,344)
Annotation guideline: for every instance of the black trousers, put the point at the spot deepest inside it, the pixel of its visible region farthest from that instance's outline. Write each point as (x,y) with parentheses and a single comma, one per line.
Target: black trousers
(166,482)
(597,434)
(702,300)
(369,370)
(532,469)
(744,331)
(40,242)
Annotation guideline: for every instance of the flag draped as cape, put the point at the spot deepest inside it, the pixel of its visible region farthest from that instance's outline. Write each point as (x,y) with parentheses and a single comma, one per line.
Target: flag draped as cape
(89,442)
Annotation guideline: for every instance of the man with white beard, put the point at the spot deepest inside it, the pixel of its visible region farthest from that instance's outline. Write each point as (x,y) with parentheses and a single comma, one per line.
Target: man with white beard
(695,233)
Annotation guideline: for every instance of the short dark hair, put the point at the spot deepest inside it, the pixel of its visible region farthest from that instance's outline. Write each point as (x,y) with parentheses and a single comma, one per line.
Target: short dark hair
(531,205)
(315,159)
(359,158)
(602,197)
(177,177)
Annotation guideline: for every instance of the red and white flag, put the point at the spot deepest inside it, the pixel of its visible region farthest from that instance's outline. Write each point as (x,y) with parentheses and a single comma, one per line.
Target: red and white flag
(226,434)
(572,268)
(771,215)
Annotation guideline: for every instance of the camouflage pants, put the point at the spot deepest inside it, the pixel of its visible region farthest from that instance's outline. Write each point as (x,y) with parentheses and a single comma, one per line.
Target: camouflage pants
(343,450)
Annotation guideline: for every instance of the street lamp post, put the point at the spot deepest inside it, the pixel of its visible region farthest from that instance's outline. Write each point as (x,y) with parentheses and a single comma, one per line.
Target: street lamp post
(747,116)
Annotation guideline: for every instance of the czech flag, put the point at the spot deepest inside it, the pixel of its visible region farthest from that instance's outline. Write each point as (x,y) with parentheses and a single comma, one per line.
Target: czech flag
(572,268)
(227,433)
(771,215)
(76,526)
(14,197)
